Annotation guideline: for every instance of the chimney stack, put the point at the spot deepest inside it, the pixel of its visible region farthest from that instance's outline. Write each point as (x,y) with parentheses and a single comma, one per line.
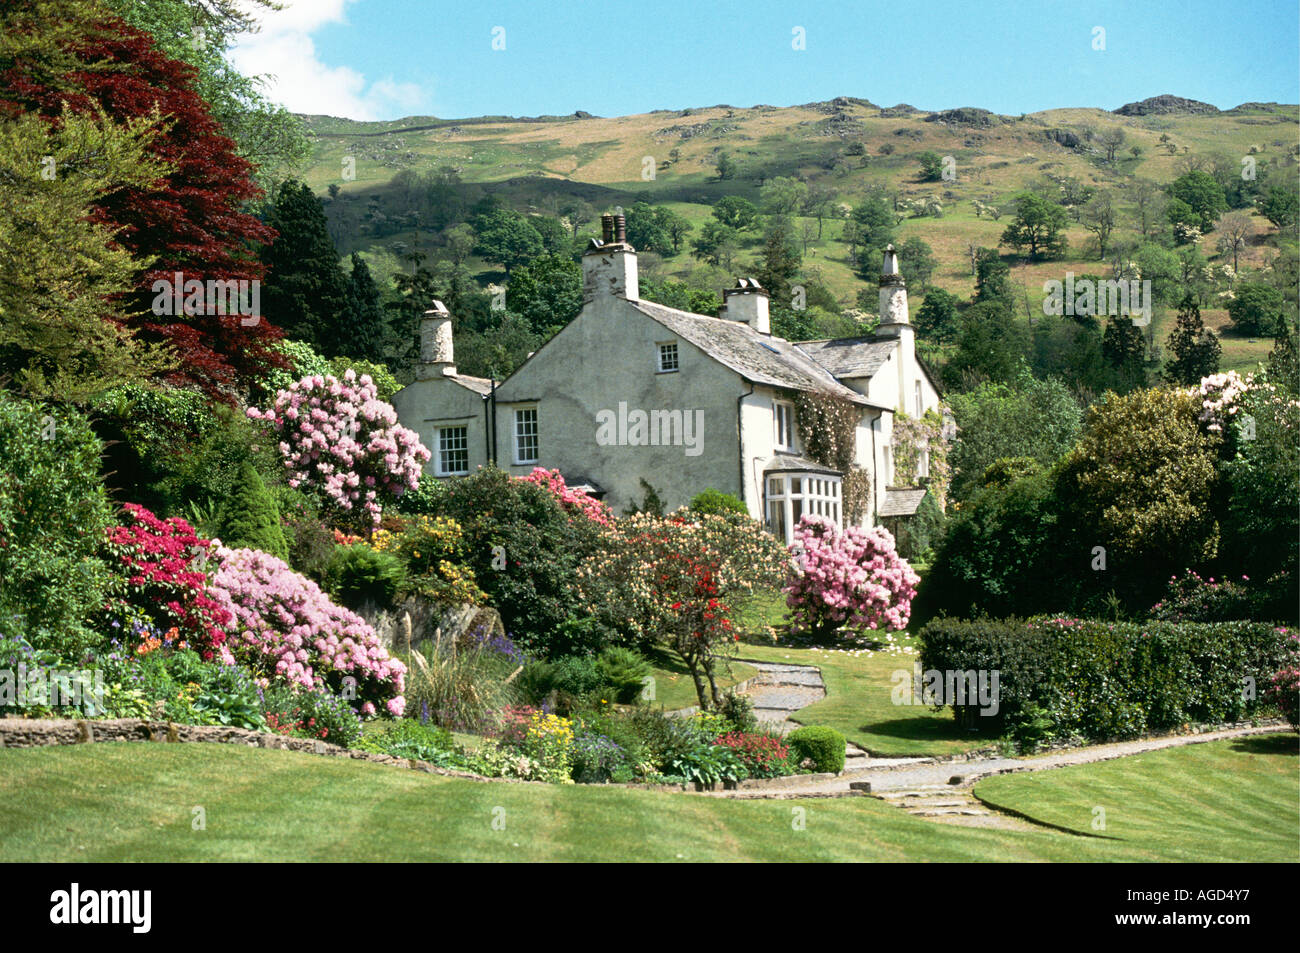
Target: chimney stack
(609,263)
(437,358)
(747,303)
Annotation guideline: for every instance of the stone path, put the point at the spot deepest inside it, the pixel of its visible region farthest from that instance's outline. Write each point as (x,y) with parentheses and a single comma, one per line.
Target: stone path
(933,788)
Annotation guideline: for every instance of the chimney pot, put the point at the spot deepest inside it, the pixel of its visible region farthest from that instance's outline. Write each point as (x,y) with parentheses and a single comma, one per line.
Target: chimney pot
(607,228)
(620,228)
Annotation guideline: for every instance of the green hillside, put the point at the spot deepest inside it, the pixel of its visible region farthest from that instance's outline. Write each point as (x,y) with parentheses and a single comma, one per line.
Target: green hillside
(379,175)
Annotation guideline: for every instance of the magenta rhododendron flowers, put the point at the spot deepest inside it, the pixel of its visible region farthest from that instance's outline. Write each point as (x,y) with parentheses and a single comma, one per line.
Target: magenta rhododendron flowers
(575,501)
(850,579)
(163,563)
(285,626)
(339,440)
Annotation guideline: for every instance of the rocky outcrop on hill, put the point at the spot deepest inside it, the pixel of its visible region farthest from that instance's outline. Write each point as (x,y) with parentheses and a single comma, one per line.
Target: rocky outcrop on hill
(1166,105)
(966,116)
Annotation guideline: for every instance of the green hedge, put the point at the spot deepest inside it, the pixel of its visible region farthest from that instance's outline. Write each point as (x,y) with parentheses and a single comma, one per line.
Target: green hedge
(825,746)
(1082,678)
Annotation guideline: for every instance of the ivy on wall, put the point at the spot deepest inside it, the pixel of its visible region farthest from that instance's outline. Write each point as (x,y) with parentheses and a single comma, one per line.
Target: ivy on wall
(828,426)
(911,437)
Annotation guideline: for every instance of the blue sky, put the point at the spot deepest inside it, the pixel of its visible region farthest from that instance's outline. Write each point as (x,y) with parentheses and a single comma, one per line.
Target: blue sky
(383,59)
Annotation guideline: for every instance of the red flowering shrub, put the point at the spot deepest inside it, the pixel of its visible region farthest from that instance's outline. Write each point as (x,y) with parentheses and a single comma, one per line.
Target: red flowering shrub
(162,565)
(573,501)
(764,755)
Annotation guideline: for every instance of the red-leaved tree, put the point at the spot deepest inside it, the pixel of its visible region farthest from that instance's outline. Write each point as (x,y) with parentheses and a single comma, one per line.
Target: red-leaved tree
(193,221)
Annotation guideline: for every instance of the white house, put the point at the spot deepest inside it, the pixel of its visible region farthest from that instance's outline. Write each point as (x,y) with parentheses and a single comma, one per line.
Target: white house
(631,390)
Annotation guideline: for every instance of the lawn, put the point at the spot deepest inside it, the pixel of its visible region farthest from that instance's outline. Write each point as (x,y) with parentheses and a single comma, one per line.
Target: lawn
(674,687)
(1188,803)
(120,802)
(859,689)
(859,701)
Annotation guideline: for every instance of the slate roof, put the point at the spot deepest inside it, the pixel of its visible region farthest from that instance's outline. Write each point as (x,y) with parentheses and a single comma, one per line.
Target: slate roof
(849,357)
(901,501)
(756,357)
(480,385)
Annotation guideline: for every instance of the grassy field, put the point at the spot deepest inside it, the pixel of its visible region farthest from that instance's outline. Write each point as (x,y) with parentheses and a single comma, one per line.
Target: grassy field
(137,802)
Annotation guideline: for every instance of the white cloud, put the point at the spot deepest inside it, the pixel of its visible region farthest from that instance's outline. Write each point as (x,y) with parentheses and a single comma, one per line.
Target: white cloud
(283,52)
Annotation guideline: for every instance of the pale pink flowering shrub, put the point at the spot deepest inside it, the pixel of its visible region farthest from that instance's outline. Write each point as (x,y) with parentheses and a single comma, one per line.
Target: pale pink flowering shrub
(575,501)
(850,579)
(286,627)
(339,440)
(1220,396)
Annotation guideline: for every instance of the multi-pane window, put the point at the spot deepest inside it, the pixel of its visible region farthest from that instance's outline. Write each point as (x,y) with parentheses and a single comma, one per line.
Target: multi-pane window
(791,496)
(526,450)
(453,451)
(668,357)
(783,425)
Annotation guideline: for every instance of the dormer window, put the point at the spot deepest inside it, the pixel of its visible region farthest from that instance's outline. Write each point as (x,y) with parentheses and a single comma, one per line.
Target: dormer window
(668,357)
(783,425)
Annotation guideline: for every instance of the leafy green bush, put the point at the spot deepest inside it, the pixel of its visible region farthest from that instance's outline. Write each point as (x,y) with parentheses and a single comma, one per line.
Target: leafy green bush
(408,738)
(359,576)
(820,744)
(1100,680)
(623,670)
(54,514)
(311,713)
(542,544)
(739,711)
(425,499)
(718,503)
(708,765)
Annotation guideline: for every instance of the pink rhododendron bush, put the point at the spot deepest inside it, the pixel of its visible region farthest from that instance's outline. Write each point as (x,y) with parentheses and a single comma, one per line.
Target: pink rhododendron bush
(340,441)
(573,501)
(286,627)
(851,580)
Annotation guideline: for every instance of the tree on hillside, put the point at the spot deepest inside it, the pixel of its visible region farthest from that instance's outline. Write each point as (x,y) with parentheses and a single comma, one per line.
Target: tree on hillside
(736,213)
(990,347)
(1255,308)
(577,212)
(1148,201)
(1124,350)
(783,196)
(368,328)
(1200,193)
(1193,349)
(506,238)
(716,244)
(1280,205)
(873,229)
(306,290)
(190,221)
(992,278)
(931,166)
(1098,217)
(546,292)
(916,261)
(726,166)
(1235,230)
(1038,226)
(1111,139)
(936,319)
(780,261)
